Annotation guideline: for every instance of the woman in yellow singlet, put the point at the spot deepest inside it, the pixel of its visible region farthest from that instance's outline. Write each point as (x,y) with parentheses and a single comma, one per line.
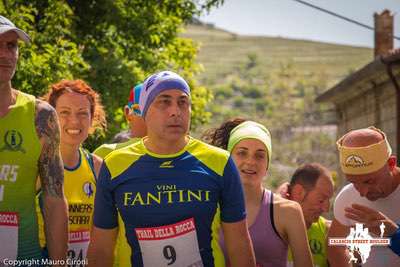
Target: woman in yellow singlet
(79,111)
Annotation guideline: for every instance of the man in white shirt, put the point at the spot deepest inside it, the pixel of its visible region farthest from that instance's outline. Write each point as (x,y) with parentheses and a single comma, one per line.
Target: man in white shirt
(369,166)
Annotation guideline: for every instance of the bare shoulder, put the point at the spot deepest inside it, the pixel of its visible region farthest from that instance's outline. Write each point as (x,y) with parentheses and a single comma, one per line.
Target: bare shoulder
(287,216)
(46,120)
(337,229)
(97,161)
(287,207)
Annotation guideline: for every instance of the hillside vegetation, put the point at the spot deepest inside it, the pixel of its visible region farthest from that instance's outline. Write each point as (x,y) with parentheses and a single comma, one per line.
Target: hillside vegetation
(275,81)
(221,52)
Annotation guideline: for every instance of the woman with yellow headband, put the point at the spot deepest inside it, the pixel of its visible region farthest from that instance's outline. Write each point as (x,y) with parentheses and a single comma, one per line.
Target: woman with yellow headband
(274,223)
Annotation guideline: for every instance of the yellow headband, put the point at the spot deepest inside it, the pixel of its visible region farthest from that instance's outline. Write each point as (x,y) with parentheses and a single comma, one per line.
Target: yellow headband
(363,160)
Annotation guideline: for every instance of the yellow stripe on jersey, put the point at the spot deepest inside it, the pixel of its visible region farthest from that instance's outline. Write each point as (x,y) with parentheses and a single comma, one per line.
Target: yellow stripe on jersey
(219,258)
(119,160)
(202,151)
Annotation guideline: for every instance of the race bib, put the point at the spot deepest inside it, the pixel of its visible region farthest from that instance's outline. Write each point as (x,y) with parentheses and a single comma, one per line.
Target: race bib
(9,223)
(170,245)
(78,242)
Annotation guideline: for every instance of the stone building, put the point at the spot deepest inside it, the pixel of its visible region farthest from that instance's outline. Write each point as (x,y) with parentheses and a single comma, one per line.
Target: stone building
(371,95)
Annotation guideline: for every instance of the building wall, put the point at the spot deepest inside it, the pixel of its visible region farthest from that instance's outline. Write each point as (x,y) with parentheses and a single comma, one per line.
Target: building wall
(376,107)
(388,116)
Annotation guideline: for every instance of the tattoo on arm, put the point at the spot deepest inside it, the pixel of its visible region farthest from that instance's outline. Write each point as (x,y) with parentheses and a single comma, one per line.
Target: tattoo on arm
(50,164)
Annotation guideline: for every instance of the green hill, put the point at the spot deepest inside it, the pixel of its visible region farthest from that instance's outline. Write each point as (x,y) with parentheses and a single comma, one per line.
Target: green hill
(220,51)
(275,81)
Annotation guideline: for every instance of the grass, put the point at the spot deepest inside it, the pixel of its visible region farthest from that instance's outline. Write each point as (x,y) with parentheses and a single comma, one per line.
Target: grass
(220,51)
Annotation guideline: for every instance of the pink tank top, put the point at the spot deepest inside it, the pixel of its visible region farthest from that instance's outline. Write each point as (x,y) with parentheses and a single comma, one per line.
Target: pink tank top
(270,250)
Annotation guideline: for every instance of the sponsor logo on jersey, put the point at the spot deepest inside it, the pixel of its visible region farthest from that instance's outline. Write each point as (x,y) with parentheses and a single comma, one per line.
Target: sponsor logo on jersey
(13,142)
(165,197)
(88,189)
(79,213)
(316,246)
(167,164)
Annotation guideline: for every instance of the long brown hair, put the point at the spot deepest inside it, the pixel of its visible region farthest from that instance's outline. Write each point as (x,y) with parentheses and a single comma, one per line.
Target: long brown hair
(220,136)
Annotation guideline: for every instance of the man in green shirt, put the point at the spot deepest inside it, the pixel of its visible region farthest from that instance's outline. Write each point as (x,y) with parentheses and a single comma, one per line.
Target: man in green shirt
(29,147)
(311,186)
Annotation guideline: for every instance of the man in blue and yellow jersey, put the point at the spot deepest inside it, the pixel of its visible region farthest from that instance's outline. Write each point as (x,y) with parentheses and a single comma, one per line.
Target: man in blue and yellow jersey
(29,147)
(172,191)
(137,129)
(311,186)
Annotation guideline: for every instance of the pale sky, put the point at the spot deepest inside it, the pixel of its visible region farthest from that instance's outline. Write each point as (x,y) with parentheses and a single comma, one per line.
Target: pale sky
(288,18)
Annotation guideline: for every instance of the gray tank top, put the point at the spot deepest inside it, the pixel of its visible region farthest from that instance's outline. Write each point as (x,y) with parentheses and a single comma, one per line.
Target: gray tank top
(269,248)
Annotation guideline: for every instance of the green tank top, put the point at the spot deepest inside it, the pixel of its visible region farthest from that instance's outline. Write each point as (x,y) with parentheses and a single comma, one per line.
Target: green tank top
(317,234)
(19,153)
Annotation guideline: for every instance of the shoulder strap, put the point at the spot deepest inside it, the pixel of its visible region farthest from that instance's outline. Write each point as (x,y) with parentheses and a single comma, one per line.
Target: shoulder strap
(89,158)
(270,194)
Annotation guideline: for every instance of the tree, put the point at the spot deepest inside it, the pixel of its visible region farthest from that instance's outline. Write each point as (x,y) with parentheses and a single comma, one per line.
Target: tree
(52,54)
(112,44)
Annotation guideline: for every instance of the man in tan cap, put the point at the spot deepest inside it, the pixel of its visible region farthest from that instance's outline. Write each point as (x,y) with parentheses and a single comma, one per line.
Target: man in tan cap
(369,166)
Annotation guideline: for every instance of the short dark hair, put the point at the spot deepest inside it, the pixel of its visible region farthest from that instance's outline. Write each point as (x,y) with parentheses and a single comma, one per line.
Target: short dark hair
(307,175)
